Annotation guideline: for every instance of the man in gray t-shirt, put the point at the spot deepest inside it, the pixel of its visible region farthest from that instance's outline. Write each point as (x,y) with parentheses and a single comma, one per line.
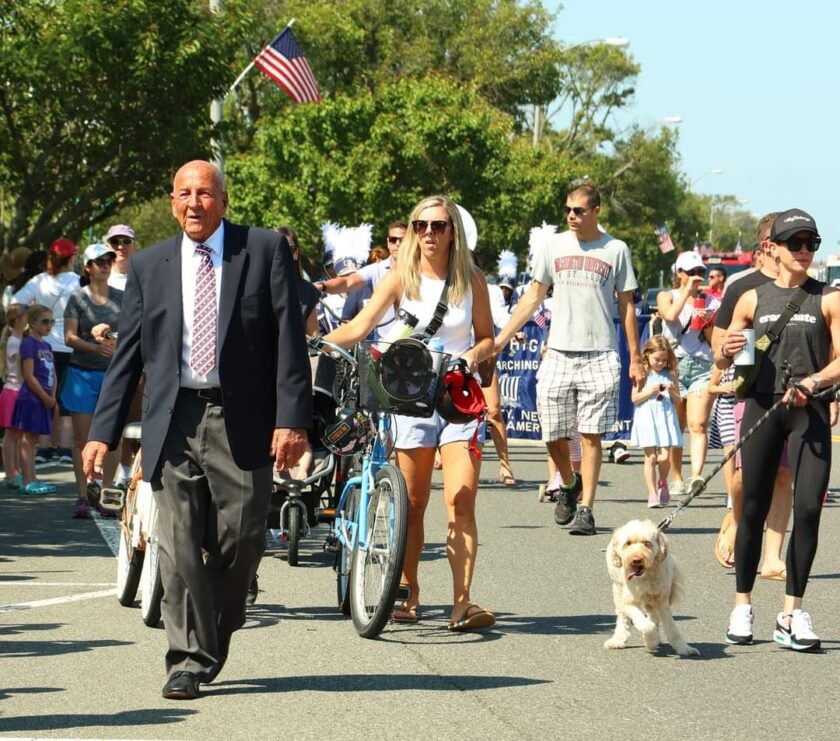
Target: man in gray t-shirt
(577,384)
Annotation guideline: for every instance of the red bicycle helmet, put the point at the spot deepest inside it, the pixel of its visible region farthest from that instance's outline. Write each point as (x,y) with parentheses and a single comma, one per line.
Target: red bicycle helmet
(462,399)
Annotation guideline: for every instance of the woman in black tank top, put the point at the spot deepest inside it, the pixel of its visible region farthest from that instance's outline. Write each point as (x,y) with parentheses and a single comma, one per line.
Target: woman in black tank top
(804,351)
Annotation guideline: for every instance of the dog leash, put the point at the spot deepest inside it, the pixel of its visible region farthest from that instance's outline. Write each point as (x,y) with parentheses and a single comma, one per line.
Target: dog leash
(700,487)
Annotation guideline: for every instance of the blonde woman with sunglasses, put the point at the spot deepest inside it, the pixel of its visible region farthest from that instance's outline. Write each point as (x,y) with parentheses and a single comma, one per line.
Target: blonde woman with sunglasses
(435,245)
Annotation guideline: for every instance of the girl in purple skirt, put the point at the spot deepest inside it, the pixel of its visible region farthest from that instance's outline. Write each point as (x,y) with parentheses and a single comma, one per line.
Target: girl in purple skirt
(36,400)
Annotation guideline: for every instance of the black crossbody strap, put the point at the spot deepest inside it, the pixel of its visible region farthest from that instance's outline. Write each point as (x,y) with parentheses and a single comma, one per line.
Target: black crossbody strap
(792,307)
(442,306)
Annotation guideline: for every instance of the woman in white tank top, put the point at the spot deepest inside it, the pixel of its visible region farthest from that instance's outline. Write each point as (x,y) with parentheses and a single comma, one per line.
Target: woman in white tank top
(434,244)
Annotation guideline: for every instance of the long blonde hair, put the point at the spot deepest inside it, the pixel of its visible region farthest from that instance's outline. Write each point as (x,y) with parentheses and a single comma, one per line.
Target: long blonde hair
(460,258)
(13,313)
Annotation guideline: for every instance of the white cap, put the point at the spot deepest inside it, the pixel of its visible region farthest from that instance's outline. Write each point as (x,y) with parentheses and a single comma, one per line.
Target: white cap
(470,229)
(689,261)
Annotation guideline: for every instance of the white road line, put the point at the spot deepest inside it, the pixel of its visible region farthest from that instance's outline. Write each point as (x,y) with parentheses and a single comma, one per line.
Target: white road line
(23,583)
(57,600)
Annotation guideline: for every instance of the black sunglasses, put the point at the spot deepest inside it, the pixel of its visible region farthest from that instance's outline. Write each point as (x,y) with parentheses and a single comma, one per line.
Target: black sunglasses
(397,240)
(46,321)
(124,241)
(579,210)
(421,225)
(695,271)
(103,261)
(812,244)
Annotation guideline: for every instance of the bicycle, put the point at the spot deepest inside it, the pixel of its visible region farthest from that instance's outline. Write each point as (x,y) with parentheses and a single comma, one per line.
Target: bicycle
(370,520)
(138,553)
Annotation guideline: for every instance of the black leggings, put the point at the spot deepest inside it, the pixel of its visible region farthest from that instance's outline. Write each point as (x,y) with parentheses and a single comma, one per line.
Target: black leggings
(808,436)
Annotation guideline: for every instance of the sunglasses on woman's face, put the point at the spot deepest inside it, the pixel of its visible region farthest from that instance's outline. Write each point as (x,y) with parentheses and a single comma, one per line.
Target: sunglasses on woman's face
(103,262)
(120,241)
(46,321)
(696,271)
(421,226)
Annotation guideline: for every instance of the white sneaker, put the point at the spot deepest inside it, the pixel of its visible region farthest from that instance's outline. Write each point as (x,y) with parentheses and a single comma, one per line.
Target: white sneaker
(676,489)
(740,632)
(693,485)
(795,631)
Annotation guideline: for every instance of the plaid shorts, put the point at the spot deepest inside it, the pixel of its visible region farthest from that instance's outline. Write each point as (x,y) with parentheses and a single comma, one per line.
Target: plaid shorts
(577,391)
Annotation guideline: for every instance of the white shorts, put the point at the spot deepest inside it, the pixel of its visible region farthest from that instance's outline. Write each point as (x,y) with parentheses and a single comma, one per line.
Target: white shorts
(429,432)
(577,391)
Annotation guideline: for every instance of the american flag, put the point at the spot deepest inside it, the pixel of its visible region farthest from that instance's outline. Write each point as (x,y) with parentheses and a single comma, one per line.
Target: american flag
(541,318)
(663,236)
(283,61)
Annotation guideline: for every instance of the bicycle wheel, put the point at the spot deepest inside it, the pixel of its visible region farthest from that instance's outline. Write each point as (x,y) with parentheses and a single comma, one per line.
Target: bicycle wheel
(151,588)
(375,573)
(344,559)
(293,528)
(129,558)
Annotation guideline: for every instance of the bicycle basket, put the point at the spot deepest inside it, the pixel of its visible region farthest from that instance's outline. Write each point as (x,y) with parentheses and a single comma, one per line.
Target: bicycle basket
(402,377)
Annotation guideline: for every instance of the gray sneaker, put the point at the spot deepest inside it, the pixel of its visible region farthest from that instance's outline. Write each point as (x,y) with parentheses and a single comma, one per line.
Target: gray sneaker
(676,489)
(583,522)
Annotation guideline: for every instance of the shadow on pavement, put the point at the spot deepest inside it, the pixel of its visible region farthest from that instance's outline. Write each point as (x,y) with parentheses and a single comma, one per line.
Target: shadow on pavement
(37,649)
(5,694)
(555,624)
(150,717)
(13,630)
(368,683)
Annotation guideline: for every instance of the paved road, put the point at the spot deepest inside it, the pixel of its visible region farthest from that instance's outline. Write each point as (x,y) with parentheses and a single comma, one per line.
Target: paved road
(73,663)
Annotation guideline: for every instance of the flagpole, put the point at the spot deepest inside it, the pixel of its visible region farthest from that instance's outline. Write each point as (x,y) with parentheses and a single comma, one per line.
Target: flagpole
(250,66)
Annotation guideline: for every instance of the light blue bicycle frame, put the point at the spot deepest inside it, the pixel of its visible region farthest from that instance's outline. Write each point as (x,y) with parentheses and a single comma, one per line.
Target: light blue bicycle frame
(348,530)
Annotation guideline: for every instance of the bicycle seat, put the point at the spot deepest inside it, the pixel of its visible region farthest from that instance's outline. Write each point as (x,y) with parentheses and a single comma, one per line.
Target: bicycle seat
(132,431)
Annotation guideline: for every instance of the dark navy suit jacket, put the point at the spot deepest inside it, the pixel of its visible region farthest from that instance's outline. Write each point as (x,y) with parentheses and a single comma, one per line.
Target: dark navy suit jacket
(261,355)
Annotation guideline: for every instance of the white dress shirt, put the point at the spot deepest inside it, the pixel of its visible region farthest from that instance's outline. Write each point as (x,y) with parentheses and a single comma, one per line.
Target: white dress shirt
(189,266)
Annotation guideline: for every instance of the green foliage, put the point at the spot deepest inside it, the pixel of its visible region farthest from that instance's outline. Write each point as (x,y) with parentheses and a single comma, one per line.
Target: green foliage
(594,81)
(371,157)
(99,103)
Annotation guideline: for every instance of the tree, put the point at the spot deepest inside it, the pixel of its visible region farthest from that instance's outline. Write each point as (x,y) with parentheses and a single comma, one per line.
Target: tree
(501,49)
(594,81)
(371,157)
(99,102)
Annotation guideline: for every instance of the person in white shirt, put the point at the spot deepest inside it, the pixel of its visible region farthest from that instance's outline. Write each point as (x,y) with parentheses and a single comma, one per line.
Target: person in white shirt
(122,239)
(53,289)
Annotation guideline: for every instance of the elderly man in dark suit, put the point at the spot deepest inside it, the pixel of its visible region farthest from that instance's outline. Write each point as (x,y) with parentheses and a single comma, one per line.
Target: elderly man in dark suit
(212,316)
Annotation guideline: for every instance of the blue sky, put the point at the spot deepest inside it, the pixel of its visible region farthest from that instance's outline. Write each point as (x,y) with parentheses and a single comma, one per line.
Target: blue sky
(756,84)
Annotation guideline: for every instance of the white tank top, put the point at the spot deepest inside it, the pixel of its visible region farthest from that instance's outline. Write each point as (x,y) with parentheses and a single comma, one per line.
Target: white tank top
(456,331)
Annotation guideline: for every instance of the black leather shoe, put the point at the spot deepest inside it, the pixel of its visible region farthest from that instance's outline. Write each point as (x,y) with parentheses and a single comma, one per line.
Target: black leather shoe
(181,686)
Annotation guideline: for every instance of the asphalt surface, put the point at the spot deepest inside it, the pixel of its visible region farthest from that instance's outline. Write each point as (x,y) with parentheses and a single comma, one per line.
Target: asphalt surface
(74,664)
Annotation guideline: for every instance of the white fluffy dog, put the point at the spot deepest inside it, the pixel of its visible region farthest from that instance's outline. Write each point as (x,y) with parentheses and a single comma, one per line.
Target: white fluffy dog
(646,583)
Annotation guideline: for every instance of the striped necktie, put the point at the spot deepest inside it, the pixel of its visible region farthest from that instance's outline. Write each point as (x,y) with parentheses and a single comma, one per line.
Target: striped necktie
(203,351)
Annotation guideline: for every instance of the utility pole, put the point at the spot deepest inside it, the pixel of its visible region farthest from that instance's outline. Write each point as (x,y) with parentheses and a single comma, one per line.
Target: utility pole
(216,111)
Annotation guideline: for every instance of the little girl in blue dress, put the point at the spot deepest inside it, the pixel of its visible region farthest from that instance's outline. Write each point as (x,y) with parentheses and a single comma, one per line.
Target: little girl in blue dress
(655,422)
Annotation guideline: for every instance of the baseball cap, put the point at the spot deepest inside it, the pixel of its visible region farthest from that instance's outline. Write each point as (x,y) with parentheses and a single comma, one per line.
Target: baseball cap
(63,247)
(95,251)
(120,230)
(689,261)
(791,221)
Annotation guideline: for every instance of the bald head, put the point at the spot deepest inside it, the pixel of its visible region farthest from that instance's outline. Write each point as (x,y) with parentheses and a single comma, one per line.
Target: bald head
(199,199)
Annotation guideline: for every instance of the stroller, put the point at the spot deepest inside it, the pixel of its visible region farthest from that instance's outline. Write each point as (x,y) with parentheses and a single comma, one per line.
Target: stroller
(302,492)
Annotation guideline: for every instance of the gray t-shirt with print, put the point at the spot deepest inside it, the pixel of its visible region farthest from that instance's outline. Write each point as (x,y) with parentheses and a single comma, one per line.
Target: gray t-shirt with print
(585,276)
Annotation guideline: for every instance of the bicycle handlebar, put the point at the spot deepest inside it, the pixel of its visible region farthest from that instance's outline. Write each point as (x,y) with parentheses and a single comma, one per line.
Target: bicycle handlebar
(331,350)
